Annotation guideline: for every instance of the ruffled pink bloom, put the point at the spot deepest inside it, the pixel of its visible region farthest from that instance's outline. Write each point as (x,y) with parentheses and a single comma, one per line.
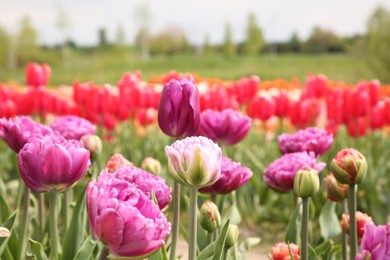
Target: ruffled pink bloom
(124,218)
(310,139)
(233,176)
(146,182)
(72,127)
(50,163)
(17,131)
(280,174)
(375,243)
(227,126)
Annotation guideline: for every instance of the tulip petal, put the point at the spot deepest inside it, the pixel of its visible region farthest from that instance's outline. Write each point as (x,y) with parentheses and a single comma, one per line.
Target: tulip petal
(56,165)
(109,228)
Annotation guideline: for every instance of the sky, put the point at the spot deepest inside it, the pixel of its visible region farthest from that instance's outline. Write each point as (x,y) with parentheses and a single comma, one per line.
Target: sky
(277,18)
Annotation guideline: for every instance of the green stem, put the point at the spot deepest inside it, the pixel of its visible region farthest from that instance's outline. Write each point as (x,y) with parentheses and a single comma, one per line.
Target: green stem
(176,220)
(304,229)
(19,196)
(41,212)
(192,236)
(344,204)
(103,253)
(53,224)
(209,237)
(352,220)
(67,200)
(24,224)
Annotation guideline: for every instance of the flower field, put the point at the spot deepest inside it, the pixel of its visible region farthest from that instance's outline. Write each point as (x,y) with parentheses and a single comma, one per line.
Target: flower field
(111,171)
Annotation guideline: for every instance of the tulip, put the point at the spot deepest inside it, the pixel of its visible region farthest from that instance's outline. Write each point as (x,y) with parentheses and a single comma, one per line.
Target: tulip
(310,139)
(151,165)
(227,127)
(316,86)
(335,190)
(218,98)
(306,182)
(349,166)
(117,161)
(49,163)
(261,107)
(209,216)
(377,116)
(37,75)
(282,103)
(281,251)
(16,132)
(72,127)
(194,161)
(146,182)
(362,219)
(246,88)
(233,176)
(4,232)
(93,144)
(179,111)
(124,218)
(357,127)
(375,243)
(232,235)
(302,112)
(279,175)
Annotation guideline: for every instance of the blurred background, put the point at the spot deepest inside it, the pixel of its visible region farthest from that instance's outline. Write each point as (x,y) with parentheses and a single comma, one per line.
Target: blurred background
(100,40)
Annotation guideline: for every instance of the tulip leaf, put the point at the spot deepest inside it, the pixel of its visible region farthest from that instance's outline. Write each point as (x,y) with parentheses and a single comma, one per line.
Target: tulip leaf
(86,250)
(220,242)
(312,253)
(329,223)
(7,254)
(36,251)
(4,210)
(234,214)
(160,254)
(207,252)
(294,225)
(74,236)
(9,223)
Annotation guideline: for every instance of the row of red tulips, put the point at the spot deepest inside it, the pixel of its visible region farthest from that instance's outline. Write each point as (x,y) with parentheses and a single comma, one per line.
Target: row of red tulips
(318,102)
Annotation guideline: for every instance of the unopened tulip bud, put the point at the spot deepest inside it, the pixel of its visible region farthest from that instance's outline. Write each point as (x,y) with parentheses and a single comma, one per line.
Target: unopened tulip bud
(349,166)
(4,232)
(335,190)
(306,182)
(210,218)
(151,165)
(281,251)
(93,144)
(361,220)
(231,236)
(117,161)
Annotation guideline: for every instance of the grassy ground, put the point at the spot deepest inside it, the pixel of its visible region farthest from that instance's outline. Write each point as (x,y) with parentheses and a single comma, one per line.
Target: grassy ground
(109,68)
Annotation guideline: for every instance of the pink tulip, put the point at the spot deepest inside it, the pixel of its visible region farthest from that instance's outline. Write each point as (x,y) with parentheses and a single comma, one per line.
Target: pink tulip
(37,75)
(72,127)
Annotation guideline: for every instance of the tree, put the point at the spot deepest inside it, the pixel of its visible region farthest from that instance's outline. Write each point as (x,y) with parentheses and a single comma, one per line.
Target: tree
(4,46)
(64,24)
(207,47)
(120,37)
(143,17)
(169,41)
(228,47)
(102,37)
(321,40)
(294,44)
(378,43)
(27,37)
(254,37)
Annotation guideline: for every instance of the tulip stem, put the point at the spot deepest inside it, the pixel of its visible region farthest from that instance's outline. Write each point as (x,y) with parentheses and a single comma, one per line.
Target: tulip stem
(67,199)
(353,227)
(175,221)
(103,253)
(53,224)
(41,212)
(304,229)
(192,234)
(24,224)
(344,204)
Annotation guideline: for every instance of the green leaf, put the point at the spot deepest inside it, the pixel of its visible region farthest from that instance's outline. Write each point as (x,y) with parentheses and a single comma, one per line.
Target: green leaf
(86,250)
(249,243)
(9,223)
(207,252)
(160,254)
(294,225)
(36,251)
(312,253)
(75,234)
(7,255)
(220,242)
(4,210)
(329,223)
(234,214)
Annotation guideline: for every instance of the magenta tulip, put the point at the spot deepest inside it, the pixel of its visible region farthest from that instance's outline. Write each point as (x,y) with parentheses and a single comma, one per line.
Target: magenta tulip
(233,176)
(124,218)
(179,111)
(227,127)
(72,127)
(375,243)
(51,163)
(37,75)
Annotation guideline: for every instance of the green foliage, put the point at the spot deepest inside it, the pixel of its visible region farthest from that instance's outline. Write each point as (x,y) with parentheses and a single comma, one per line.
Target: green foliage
(321,40)
(254,37)
(378,43)
(228,46)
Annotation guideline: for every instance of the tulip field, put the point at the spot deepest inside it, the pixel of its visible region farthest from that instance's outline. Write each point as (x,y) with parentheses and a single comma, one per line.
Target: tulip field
(131,170)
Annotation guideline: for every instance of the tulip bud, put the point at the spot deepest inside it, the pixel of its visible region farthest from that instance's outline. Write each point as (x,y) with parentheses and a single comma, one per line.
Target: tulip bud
(361,220)
(117,161)
(336,191)
(349,166)
(4,232)
(306,182)
(281,251)
(179,109)
(93,144)
(231,236)
(210,218)
(151,165)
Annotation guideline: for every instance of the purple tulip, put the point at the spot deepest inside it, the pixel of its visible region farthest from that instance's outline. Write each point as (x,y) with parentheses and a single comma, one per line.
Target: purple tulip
(227,126)
(375,243)
(72,127)
(179,110)
(124,218)
(233,176)
(307,140)
(50,163)
(194,161)
(16,132)
(146,182)
(280,174)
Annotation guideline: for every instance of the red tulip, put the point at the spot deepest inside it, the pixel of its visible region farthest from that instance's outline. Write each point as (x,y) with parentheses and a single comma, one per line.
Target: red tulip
(316,86)
(246,88)
(262,108)
(377,116)
(357,127)
(37,75)
(282,104)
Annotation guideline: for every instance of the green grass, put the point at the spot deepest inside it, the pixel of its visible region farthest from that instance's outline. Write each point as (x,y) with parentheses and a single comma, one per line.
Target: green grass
(106,68)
